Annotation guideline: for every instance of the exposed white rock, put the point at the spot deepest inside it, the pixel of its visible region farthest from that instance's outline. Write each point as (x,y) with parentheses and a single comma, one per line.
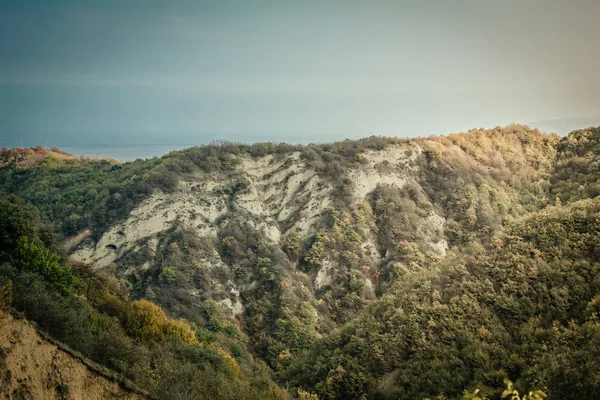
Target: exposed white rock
(74,241)
(324,276)
(400,154)
(197,210)
(369,249)
(230,307)
(282,193)
(366,181)
(282,190)
(435,224)
(391,166)
(234,307)
(369,290)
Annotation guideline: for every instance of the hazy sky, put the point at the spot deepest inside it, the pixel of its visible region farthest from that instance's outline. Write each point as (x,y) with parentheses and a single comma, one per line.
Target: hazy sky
(155,72)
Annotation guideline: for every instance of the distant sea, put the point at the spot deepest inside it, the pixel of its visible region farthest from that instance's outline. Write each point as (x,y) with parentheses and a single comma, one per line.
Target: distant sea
(122,153)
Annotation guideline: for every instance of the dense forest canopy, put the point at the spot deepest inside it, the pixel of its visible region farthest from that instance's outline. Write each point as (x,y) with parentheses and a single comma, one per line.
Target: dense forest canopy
(472,260)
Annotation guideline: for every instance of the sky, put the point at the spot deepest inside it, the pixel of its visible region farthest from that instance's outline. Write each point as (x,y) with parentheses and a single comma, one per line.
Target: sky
(119,72)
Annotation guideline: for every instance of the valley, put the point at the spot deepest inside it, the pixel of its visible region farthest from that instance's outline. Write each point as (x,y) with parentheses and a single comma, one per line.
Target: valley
(381,268)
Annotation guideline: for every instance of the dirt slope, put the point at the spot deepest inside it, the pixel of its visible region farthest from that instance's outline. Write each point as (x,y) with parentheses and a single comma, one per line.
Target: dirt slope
(32,367)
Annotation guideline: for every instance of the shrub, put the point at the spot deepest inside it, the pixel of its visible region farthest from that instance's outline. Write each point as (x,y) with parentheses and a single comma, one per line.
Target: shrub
(6,294)
(30,257)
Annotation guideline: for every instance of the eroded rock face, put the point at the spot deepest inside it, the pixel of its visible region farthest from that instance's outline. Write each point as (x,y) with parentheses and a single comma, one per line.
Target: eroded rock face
(31,367)
(279,195)
(393,166)
(273,195)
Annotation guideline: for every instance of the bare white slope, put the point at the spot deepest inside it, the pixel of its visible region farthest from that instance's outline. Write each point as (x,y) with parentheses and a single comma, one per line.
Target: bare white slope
(281,194)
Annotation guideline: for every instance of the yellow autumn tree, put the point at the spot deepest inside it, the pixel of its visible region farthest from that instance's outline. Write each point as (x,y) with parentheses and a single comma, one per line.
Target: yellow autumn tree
(149,323)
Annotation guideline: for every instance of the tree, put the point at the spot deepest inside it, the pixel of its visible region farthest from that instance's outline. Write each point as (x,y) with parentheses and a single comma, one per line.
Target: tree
(148,323)
(27,256)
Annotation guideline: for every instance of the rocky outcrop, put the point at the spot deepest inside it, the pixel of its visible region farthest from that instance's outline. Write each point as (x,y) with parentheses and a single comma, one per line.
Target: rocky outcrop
(274,194)
(279,195)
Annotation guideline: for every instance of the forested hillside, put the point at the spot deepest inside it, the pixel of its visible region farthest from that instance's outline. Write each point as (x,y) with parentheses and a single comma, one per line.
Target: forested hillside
(371,269)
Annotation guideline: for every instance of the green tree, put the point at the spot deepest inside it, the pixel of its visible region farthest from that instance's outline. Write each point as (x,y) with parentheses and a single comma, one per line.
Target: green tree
(28,256)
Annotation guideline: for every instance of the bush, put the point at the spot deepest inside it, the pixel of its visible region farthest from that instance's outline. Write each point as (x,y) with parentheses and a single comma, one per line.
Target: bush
(32,258)
(5,294)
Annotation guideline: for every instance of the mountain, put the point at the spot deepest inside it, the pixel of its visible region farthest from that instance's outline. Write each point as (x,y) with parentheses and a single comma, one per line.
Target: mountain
(377,268)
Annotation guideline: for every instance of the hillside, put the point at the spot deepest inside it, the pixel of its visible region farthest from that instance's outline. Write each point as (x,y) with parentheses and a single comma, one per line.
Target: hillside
(32,367)
(378,268)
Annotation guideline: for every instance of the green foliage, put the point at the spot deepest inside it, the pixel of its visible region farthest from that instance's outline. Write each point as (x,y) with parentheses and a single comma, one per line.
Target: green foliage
(576,172)
(513,394)
(474,395)
(303,395)
(19,220)
(29,257)
(337,251)
(332,160)
(292,245)
(94,315)
(564,356)
(5,294)
(374,305)
(481,178)
(148,323)
(472,320)
(168,275)
(89,193)
(510,393)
